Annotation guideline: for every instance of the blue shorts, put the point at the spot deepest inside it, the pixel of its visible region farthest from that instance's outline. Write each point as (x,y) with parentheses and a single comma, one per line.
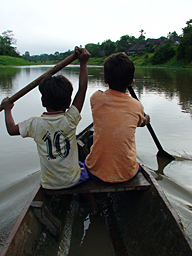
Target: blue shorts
(84,174)
(138,169)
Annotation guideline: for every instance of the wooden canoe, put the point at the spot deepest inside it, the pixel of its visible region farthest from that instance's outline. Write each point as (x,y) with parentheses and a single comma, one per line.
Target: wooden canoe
(135,219)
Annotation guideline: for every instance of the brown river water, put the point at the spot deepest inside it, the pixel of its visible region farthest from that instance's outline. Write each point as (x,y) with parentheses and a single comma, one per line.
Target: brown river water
(166,95)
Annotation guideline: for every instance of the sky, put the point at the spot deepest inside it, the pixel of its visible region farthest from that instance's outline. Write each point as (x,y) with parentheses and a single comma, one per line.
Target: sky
(47,26)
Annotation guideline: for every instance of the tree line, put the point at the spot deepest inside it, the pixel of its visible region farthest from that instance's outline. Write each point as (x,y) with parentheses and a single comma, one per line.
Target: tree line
(182,51)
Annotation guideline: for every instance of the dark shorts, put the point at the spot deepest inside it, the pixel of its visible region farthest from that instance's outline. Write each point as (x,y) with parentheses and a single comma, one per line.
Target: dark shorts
(84,174)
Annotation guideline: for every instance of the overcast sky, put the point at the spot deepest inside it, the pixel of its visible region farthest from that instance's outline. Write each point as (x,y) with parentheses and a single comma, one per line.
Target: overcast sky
(47,26)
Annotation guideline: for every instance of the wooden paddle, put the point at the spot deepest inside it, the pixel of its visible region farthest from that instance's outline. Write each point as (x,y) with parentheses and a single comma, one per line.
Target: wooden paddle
(37,81)
(161,152)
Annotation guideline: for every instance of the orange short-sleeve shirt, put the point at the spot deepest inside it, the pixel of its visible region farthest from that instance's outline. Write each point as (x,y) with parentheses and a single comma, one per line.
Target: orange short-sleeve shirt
(113,154)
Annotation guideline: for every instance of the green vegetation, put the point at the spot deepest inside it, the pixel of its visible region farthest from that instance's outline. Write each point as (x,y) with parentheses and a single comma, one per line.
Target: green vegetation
(173,51)
(6,42)
(147,59)
(184,52)
(15,61)
(163,53)
(96,61)
(144,60)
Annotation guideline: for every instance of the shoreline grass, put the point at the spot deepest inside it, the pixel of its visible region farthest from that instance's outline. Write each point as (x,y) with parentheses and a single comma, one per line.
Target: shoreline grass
(139,61)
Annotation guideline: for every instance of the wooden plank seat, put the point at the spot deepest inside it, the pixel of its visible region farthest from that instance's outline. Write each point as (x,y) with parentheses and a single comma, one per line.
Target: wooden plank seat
(92,186)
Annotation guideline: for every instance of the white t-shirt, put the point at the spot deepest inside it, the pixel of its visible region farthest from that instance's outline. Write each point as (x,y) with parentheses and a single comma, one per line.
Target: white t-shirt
(55,136)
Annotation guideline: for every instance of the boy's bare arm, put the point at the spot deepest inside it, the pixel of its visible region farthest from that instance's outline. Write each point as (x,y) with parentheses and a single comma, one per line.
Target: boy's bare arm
(12,128)
(145,121)
(83,79)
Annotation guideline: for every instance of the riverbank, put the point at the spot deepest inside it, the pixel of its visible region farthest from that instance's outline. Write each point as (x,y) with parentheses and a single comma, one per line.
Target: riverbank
(139,61)
(13,61)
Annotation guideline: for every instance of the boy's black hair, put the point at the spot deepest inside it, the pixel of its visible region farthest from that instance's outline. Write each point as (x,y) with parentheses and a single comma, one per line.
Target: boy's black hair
(118,71)
(56,92)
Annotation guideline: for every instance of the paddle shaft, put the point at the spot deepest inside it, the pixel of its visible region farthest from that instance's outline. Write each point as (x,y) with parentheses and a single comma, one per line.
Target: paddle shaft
(37,81)
(149,127)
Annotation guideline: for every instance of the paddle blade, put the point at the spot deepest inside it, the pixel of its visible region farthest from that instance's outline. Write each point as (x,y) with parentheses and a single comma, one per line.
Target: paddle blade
(162,153)
(162,163)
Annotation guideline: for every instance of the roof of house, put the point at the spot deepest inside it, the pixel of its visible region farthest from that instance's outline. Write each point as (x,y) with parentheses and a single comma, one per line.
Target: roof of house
(136,47)
(154,41)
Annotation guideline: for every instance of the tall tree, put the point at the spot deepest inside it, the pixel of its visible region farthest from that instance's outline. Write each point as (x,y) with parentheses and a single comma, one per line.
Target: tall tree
(171,35)
(185,47)
(123,43)
(6,41)
(109,47)
(94,49)
(141,38)
(26,56)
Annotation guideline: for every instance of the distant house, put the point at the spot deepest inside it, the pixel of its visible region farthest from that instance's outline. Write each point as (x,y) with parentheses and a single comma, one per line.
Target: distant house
(154,42)
(135,49)
(176,40)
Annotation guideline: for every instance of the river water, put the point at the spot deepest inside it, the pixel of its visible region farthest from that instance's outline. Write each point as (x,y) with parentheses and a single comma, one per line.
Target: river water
(166,95)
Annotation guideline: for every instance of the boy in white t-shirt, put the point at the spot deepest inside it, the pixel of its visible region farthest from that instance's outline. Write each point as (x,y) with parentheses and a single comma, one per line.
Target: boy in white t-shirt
(55,130)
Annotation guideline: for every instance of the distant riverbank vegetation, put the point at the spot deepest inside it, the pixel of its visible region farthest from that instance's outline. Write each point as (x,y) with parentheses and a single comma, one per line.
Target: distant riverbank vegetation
(171,51)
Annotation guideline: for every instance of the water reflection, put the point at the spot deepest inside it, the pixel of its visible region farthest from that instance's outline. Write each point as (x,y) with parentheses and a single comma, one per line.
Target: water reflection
(7,75)
(96,75)
(169,82)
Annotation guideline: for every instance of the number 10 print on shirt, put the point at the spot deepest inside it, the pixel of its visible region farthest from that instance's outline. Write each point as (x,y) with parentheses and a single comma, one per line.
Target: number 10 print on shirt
(59,142)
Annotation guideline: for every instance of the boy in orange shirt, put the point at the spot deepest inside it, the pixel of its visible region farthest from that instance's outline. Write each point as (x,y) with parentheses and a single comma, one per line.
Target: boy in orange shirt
(116,115)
